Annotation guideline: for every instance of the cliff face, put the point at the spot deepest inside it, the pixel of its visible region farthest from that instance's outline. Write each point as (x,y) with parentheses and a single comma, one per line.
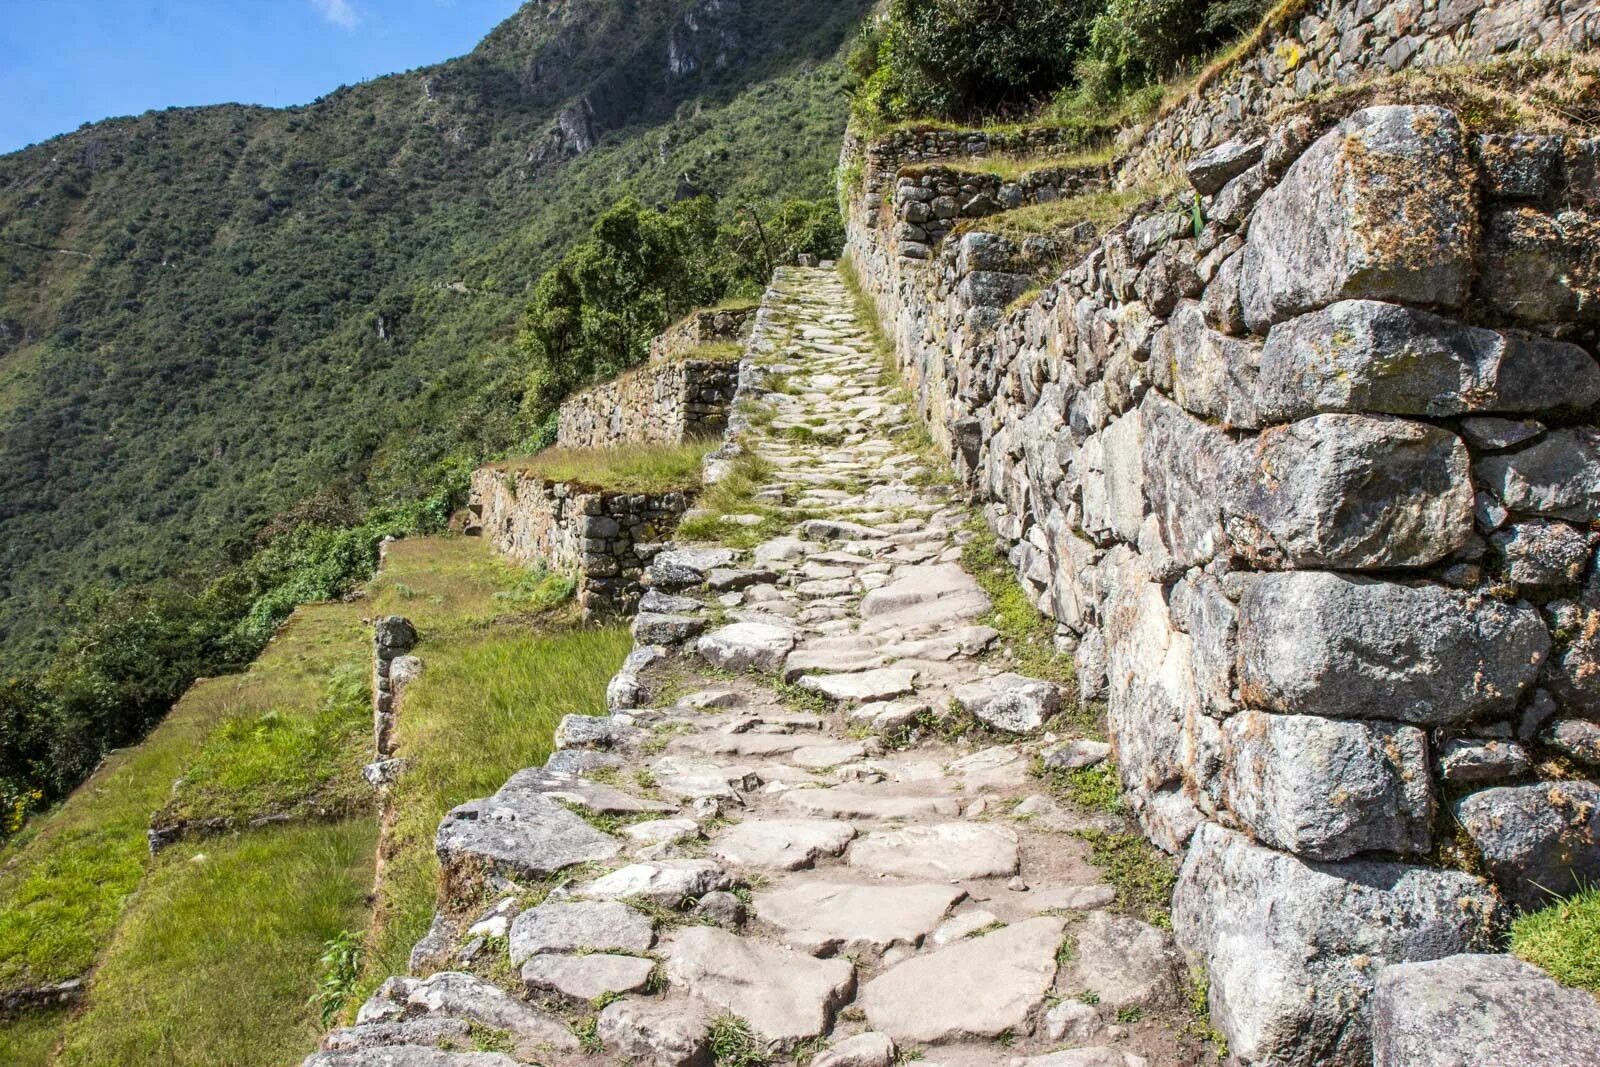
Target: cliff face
(180,285)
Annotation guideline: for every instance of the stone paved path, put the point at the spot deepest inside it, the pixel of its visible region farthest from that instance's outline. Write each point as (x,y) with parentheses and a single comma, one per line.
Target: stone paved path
(772,826)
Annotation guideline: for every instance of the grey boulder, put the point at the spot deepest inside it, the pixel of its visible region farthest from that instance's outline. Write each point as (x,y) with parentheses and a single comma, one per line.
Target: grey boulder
(1348,491)
(1557,476)
(1536,840)
(1318,643)
(1480,1009)
(1293,947)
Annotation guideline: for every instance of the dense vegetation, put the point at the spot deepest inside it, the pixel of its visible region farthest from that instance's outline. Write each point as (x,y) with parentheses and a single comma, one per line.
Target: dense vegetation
(251,342)
(1076,60)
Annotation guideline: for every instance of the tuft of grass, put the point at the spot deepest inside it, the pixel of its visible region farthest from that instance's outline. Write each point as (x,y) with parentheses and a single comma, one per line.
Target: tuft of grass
(715,352)
(623,468)
(587,1031)
(1026,631)
(1564,939)
(1102,209)
(734,1044)
(1010,167)
(1142,876)
(1094,788)
(734,494)
(263,904)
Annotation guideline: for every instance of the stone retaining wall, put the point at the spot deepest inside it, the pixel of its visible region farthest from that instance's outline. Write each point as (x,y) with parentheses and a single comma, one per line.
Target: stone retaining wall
(704,327)
(662,403)
(933,200)
(1329,44)
(606,537)
(1312,494)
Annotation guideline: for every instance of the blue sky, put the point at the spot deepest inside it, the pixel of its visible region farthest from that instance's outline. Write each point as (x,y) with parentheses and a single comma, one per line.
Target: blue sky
(67,62)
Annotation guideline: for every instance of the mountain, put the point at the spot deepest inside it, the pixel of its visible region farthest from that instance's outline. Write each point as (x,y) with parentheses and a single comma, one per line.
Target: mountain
(211,316)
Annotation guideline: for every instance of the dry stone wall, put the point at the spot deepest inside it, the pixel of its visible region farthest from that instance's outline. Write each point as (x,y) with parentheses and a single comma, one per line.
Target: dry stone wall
(703,327)
(936,199)
(1312,493)
(606,537)
(1325,45)
(661,403)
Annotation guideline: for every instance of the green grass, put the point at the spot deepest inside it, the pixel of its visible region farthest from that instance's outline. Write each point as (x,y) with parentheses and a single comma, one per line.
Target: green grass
(1564,939)
(625,468)
(734,494)
(292,763)
(1142,876)
(1025,630)
(715,351)
(484,707)
(1012,168)
(69,877)
(216,964)
(734,1044)
(1094,788)
(27,1040)
(1104,208)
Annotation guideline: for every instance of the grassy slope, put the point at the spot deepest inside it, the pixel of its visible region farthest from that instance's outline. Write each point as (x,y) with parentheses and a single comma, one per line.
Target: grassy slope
(485,706)
(217,356)
(175,935)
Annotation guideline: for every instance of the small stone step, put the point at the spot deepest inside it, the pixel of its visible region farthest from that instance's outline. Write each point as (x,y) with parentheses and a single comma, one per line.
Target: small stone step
(782,844)
(786,997)
(827,918)
(955,851)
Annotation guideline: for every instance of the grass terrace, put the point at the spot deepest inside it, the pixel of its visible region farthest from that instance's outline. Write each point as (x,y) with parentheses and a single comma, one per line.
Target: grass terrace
(1104,209)
(714,351)
(168,937)
(623,468)
(1013,168)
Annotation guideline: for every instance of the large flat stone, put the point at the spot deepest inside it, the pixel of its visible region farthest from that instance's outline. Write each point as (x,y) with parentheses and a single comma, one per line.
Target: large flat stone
(745,645)
(1010,702)
(407,1056)
(519,832)
(1293,947)
(1327,644)
(1125,962)
(567,926)
(665,882)
(868,802)
(786,997)
(979,988)
(455,995)
(884,683)
(952,851)
(588,976)
(782,844)
(833,917)
(1381,207)
(1480,1008)
(657,1033)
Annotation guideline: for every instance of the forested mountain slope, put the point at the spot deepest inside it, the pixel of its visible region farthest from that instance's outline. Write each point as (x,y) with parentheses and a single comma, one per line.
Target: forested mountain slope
(209,316)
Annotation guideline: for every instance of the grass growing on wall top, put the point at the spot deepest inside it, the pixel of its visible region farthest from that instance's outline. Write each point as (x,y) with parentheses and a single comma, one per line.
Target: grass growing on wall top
(216,964)
(1011,168)
(1564,939)
(1103,208)
(623,468)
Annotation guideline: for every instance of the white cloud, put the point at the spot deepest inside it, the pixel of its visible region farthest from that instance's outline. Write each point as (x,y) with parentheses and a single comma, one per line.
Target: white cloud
(338,12)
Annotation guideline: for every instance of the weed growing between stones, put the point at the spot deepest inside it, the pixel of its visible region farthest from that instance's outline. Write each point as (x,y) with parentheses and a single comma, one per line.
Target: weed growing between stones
(341,966)
(1142,876)
(1564,939)
(1200,1025)
(734,1044)
(1094,788)
(488,1039)
(1026,633)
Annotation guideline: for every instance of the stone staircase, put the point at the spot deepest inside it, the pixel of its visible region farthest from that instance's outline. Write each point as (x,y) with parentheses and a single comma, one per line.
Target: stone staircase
(781,843)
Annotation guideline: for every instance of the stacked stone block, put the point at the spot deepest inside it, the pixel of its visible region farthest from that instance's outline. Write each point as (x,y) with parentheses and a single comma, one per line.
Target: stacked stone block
(1311,489)
(930,201)
(1331,44)
(704,327)
(661,403)
(606,537)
